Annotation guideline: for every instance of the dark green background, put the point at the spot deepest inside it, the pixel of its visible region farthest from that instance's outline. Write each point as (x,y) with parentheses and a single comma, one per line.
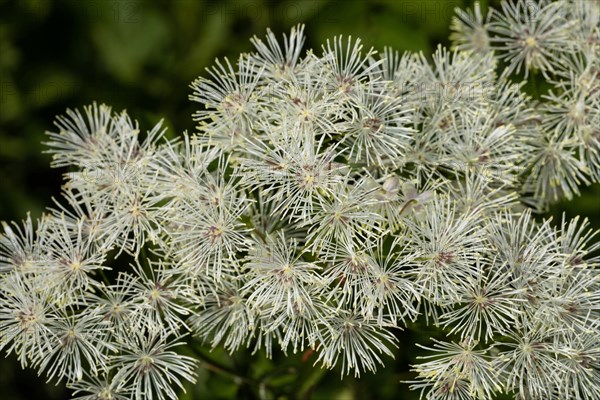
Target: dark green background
(141,56)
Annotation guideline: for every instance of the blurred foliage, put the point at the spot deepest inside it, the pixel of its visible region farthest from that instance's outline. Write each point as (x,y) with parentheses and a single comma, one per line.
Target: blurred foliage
(142,56)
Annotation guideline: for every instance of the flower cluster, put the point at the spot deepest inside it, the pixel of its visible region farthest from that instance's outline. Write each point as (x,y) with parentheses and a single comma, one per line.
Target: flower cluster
(326,200)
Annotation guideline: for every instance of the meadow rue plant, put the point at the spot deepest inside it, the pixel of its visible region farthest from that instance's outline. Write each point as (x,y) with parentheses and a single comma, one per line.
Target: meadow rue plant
(328,199)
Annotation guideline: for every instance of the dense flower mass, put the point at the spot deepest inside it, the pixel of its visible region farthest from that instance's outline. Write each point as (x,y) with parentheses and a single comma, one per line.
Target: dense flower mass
(327,199)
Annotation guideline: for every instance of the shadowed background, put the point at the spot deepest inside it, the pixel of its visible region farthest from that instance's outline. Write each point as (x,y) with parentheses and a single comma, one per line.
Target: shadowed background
(141,56)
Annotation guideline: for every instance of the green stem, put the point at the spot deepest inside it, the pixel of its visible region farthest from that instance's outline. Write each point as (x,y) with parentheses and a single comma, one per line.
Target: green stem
(310,382)
(219,368)
(104,277)
(534,85)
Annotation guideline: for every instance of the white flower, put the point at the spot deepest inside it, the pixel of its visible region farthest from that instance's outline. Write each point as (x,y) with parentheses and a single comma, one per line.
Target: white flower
(148,364)
(324,202)
(531,34)
(279,62)
(77,342)
(470,30)
(356,341)
(455,365)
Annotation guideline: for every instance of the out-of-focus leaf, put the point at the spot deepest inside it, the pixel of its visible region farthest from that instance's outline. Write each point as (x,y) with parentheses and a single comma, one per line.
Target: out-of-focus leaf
(51,87)
(126,47)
